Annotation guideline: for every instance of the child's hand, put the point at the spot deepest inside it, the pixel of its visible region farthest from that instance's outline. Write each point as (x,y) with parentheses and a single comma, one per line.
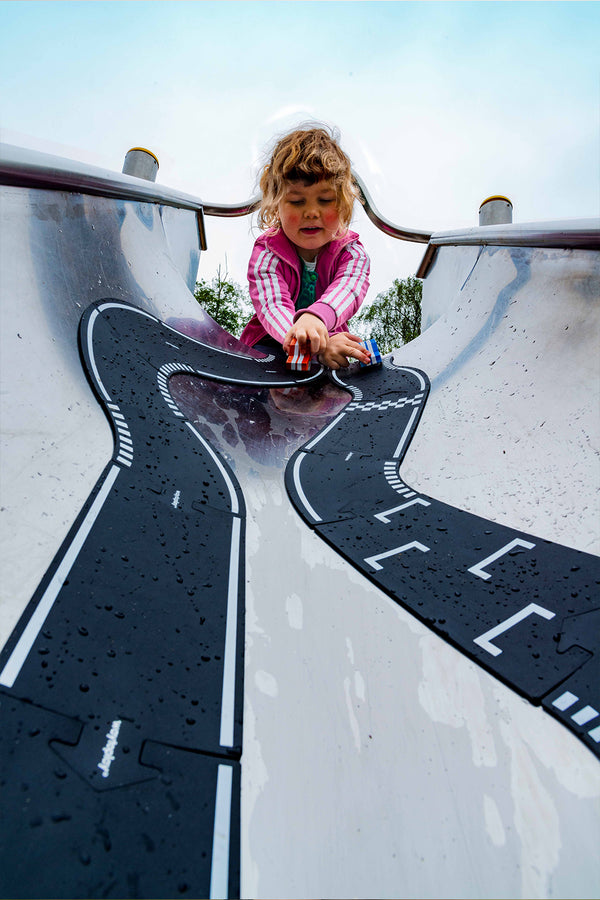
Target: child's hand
(310,332)
(340,347)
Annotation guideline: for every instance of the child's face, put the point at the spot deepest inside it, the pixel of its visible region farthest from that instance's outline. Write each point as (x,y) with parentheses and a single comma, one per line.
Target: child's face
(309,216)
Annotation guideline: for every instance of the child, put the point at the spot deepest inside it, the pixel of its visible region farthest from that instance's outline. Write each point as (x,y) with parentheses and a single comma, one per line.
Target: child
(308,274)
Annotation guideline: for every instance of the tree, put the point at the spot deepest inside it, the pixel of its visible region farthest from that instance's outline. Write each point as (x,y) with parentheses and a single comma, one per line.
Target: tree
(394,317)
(225,301)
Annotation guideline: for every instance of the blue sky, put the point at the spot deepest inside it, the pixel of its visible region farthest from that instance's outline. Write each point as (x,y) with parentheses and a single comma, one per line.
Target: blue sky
(439,104)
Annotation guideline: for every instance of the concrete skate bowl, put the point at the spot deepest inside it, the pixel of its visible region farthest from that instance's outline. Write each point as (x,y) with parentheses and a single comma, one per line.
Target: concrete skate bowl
(293,636)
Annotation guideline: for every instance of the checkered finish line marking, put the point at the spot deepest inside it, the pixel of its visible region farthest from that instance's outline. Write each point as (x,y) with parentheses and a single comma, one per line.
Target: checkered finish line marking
(384,405)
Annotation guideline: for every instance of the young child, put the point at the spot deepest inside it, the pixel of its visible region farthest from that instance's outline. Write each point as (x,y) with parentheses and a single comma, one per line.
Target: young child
(308,274)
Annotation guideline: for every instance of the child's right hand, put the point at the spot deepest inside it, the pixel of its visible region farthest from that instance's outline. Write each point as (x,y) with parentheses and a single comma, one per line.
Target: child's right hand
(310,332)
(340,347)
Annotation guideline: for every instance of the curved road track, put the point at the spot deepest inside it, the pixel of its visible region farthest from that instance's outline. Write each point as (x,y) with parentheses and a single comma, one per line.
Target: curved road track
(524,608)
(126,669)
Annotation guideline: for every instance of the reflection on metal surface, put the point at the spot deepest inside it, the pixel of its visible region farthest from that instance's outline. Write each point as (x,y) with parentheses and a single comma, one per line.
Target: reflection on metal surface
(271,423)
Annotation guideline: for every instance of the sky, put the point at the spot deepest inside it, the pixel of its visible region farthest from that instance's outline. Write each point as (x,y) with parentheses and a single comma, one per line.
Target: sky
(439,104)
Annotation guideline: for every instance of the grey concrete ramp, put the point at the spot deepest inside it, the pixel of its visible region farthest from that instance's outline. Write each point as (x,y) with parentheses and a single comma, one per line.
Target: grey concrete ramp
(369,755)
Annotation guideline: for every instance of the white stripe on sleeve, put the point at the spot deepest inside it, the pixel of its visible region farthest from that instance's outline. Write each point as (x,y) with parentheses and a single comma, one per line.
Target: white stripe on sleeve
(351,282)
(269,293)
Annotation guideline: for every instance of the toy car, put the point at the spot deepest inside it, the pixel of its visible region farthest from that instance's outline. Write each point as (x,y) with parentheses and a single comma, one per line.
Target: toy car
(371,347)
(297,361)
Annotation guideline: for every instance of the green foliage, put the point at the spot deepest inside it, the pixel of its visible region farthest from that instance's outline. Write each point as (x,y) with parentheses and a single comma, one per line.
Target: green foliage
(225,301)
(394,317)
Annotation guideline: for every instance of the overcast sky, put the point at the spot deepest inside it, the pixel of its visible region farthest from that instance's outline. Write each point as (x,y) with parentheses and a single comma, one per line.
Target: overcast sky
(439,104)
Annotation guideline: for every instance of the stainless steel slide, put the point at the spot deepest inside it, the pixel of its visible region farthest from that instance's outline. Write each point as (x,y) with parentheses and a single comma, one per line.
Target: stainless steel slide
(292,635)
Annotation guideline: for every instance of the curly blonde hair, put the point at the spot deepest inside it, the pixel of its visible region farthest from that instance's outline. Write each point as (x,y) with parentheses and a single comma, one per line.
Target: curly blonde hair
(309,155)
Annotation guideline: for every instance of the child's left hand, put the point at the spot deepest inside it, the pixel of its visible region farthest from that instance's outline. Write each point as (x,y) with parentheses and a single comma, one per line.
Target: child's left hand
(340,347)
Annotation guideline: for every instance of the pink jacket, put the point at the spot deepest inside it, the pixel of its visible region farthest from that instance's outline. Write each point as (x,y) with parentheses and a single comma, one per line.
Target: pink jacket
(274,275)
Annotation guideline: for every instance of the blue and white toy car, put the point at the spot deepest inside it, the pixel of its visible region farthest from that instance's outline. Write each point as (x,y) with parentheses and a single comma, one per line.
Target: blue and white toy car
(371,347)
